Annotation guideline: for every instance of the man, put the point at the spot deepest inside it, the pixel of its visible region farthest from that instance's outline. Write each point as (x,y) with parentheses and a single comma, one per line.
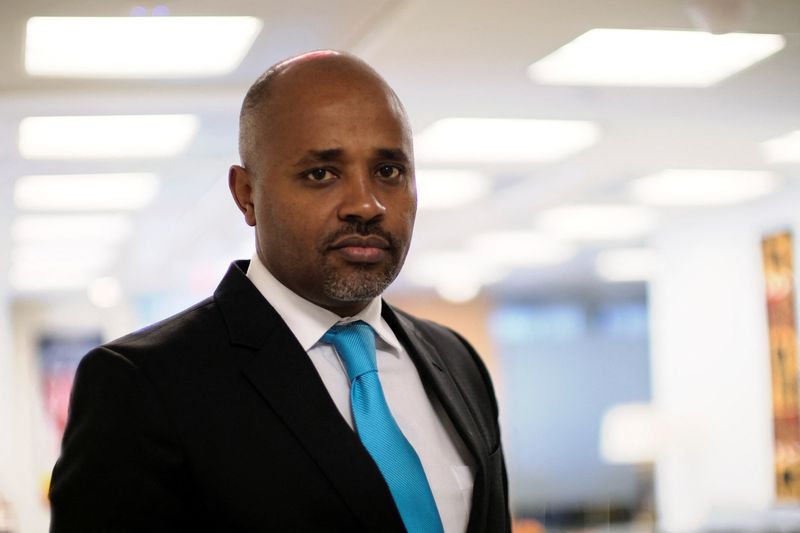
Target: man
(248,412)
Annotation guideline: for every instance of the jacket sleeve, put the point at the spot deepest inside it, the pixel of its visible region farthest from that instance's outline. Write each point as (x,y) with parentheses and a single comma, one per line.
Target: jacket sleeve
(121,468)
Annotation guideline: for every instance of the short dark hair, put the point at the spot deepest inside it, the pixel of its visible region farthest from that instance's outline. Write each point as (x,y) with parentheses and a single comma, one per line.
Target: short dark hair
(254,100)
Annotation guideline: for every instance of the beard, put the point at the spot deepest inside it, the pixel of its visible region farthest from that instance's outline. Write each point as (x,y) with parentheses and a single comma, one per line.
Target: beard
(362,282)
(358,285)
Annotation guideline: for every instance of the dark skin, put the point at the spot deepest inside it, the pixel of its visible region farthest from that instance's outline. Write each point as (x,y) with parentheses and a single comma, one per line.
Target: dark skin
(330,184)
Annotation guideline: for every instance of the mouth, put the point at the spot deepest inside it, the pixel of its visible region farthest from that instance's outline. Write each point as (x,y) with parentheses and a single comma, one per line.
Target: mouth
(367,249)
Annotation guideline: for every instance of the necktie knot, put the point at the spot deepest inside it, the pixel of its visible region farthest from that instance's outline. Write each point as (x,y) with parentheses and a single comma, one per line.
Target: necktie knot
(355,344)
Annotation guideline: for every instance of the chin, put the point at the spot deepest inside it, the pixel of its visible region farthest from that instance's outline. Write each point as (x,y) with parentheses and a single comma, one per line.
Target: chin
(358,287)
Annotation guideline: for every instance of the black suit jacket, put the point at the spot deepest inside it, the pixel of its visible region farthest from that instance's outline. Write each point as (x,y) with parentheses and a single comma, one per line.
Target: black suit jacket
(216,420)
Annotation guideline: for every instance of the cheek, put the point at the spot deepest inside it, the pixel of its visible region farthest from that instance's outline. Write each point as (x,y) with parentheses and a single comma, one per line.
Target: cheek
(277,234)
(413,207)
(296,232)
(409,212)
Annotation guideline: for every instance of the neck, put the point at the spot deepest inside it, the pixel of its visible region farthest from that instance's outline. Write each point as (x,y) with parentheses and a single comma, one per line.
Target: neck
(344,310)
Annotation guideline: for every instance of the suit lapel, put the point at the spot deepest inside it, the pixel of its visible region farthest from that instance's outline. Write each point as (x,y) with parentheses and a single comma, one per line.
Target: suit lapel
(284,376)
(435,376)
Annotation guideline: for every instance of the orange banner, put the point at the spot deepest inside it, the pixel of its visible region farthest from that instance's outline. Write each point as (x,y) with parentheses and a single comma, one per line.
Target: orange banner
(779,276)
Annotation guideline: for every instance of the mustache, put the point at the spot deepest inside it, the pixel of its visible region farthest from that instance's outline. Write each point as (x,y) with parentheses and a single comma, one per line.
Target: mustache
(361,229)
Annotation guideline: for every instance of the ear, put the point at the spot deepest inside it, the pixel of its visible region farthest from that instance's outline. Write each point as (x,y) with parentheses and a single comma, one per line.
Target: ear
(241,186)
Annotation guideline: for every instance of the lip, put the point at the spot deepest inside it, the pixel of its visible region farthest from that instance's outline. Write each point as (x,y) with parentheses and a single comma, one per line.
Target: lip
(359,241)
(361,249)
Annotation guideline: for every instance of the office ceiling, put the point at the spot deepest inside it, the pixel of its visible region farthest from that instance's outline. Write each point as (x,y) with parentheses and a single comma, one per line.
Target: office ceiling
(444,58)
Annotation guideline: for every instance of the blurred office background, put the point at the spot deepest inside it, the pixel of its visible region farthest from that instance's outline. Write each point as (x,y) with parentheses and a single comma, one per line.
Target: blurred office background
(596,180)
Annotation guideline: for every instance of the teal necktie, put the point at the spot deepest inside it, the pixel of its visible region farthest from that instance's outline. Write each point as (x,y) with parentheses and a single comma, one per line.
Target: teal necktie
(394,455)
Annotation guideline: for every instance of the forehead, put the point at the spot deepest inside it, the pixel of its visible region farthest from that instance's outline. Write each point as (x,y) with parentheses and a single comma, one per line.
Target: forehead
(332,102)
(328,75)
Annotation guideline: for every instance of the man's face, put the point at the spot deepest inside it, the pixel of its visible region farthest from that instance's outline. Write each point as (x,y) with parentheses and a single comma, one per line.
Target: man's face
(333,190)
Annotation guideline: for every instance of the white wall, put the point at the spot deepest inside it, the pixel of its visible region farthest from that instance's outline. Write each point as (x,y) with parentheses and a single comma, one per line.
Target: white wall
(29,441)
(33,444)
(7,492)
(710,362)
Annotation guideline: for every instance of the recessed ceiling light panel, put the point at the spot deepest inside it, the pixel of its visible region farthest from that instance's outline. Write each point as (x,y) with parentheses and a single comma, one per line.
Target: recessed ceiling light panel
(445,189)
(783,149)
(25,280)
(46,253)
(99,229)
(658,58)
(137,47)
(492,140)
(56,264)
(86,192)
(99,137)
(597,221)
(684,187)
(430,267)
(626,264)
(521,248)
(457,276)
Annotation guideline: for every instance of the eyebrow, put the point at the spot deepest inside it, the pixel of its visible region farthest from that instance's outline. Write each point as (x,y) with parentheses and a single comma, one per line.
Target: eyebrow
(394,154)
(324,156)
(337,154)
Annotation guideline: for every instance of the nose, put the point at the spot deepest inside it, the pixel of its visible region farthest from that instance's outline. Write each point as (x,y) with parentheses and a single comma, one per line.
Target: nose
(360,202)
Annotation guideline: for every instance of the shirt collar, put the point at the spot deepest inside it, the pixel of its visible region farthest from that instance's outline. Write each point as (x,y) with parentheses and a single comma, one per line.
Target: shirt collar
(308,321)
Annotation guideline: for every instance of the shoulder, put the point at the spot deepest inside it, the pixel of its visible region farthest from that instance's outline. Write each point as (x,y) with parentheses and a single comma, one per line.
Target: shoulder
(460,358)
(442,337)
(181,331)
(171,363)
(181,344)
(436,333)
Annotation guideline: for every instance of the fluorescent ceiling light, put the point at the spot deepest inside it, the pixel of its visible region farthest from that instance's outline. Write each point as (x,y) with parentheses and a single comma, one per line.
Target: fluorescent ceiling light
(439,268)
(47,253)
(522,248)
(458,289)
(57,265)
(457,276)
(137,47)
(783,149)
(89,192)
(626,264)
(427,268)
(99,229)
(25,280)
(661,58)
(89,137)
(445,189)
(494,140)
(686,187)
(597,222)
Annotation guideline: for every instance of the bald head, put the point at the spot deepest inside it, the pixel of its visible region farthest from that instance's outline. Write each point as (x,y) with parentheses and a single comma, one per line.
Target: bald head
(286,84)
(327,179)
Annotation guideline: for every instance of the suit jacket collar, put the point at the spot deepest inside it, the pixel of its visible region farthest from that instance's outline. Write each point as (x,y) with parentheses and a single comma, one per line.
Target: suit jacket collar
(437,379)
(285,377)
(247,315)
(307,320)
(289,383)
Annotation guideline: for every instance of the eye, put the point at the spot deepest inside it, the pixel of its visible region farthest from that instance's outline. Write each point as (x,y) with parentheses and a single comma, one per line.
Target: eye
(320,175)
(389,171)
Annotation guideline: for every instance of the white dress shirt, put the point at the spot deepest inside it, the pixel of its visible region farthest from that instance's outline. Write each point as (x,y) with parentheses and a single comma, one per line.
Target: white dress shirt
(448,465)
